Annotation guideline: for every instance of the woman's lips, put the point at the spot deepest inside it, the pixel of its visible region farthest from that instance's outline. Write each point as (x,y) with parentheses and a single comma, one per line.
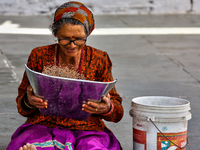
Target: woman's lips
(71,50)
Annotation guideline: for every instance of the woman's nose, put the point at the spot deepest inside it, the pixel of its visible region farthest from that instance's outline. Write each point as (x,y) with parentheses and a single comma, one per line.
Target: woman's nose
(72,45)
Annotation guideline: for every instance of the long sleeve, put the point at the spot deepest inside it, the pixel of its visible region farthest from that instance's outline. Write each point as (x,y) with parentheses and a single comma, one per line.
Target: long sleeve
(98,66)
(116,113)
(35,62)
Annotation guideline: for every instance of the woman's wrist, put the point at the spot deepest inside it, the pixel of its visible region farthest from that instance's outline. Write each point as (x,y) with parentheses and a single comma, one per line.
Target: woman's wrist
(27,104)
(110,111)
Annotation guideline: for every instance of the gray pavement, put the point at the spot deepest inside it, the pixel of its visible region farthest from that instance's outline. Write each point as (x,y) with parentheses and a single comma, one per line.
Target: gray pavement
(145,65)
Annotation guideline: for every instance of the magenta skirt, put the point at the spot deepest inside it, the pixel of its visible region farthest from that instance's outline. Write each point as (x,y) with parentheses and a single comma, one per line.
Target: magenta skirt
(45,138)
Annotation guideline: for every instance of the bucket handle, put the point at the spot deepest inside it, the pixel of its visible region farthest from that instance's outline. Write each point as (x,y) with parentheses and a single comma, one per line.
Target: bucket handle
(168,138)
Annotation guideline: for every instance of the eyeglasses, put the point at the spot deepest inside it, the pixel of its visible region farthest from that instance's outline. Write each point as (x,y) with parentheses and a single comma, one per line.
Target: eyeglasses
(78,42)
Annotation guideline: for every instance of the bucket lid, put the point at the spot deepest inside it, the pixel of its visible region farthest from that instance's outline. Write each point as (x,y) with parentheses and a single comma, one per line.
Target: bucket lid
(161,108)
(160,101)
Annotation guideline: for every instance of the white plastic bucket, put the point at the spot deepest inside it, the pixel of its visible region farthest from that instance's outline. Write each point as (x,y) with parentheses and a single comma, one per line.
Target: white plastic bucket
(153,113)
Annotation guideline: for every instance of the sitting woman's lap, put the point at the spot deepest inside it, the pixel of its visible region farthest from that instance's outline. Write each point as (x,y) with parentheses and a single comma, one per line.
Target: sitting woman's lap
(60,138)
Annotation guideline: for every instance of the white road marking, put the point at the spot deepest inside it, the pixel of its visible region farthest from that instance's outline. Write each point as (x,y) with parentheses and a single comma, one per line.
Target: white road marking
(9,28)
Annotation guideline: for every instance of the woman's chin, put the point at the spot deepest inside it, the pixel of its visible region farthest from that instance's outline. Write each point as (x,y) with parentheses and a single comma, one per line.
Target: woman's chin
(71,53)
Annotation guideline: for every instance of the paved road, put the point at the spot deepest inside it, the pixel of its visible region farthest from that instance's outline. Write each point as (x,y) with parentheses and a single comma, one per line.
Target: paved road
(145,65)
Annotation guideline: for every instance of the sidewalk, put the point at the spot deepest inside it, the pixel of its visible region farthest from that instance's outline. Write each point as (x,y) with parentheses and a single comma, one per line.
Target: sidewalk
(145,65)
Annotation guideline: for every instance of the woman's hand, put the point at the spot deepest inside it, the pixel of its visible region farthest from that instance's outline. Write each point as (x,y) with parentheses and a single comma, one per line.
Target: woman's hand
(98,108)
(33,100)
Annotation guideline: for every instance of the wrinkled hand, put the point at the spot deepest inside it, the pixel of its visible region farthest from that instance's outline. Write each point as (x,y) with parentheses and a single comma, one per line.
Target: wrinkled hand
(98,108)
(33,100)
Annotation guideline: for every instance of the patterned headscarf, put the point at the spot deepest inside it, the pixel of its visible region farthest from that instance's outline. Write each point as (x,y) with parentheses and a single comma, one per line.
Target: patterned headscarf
(78,11)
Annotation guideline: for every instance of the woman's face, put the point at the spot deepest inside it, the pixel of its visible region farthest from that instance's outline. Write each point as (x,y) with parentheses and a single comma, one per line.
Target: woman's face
(71,32)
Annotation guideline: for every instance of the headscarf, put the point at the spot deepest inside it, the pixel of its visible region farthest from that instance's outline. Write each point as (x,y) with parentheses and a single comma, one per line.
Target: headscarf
(78,11)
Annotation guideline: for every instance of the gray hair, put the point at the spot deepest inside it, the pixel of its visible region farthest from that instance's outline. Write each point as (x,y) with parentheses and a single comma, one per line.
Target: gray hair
(60,23)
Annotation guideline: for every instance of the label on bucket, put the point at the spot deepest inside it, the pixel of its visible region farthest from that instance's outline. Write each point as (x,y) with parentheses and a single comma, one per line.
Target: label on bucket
(177,138)
(139,138)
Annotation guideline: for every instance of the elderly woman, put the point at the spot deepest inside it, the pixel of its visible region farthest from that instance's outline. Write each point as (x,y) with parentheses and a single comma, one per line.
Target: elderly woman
(73,23)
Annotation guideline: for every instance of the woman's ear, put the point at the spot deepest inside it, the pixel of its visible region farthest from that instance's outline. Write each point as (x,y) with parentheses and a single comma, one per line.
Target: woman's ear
(55,38)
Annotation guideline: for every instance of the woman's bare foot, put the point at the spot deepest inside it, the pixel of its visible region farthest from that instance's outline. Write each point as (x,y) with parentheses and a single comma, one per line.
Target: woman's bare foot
(28,147)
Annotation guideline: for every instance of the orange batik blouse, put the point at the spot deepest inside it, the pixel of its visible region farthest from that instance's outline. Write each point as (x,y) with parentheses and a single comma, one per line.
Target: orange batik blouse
(96,65)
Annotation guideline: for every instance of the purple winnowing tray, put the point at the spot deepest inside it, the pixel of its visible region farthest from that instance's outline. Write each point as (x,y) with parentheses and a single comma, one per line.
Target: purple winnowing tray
(65,96)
